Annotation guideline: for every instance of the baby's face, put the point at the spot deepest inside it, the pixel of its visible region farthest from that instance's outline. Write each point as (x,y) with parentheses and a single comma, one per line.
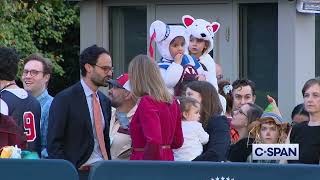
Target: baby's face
(193,114)
(177,46)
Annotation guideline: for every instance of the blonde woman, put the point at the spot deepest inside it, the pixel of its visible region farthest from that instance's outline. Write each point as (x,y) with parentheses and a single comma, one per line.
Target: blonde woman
(155,128)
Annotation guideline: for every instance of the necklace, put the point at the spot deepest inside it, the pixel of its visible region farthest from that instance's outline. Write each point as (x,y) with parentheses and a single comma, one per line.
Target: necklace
(8,85)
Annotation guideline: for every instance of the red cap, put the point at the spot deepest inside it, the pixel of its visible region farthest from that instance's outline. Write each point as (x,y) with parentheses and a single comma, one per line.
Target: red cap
(121,81)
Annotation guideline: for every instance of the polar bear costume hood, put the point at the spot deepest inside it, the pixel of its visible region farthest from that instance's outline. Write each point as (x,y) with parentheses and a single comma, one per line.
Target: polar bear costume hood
(163,34)
(201,29)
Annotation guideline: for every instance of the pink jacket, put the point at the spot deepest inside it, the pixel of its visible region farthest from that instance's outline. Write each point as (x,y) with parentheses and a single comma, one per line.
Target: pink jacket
(155,130)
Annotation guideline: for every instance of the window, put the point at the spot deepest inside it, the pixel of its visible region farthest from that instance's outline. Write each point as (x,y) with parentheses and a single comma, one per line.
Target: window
(259,48)
(128,35)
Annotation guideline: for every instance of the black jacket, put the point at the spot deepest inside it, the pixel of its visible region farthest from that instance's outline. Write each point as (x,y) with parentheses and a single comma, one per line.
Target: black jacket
(217,148)
(70,134)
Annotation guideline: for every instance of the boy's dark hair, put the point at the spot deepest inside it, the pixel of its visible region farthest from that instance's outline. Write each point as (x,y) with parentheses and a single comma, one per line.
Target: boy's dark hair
(299,110)
(90,56)
(187,102)
(8,64)
(46,63)
(244,82)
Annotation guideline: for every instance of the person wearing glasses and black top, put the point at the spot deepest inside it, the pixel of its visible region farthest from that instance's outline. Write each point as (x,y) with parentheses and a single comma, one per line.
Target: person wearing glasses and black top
(243,121)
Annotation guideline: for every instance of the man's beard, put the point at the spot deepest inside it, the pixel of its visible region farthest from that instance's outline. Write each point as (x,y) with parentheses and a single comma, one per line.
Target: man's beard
(98,82)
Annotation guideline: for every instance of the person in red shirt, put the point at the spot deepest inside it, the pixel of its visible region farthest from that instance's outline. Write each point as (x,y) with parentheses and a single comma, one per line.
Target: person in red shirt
(10,133)
(155,127)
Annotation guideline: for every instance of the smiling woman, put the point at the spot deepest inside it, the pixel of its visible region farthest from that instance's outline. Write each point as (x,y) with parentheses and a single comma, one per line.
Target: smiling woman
(243,120)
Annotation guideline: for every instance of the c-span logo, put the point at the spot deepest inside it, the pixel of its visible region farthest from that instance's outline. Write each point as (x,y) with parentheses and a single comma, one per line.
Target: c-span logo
(275,151)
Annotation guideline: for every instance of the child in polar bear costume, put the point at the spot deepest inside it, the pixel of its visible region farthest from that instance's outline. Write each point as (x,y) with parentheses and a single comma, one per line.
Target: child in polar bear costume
(177,67)
(201,43)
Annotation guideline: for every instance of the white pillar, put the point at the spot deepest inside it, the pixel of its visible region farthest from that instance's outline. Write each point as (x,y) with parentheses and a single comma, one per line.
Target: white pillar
(92,24)
(296,54)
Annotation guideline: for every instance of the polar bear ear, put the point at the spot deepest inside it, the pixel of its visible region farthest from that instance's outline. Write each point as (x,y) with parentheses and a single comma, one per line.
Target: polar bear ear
(158,30)
(215,27)
(187,20)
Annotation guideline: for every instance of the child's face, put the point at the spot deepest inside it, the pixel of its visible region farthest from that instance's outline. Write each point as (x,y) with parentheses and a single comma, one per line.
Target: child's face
(177,46)
(193,114)
(197,46)
(269,133)
(299,118)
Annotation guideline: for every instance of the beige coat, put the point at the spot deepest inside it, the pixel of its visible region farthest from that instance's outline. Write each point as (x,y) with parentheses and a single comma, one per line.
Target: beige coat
(120,143)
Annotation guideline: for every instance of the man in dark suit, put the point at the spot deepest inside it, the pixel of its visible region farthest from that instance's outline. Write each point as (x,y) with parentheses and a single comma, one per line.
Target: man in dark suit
(73,133)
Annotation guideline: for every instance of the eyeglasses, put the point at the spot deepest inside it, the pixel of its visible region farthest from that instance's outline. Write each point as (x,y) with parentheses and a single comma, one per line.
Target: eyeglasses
(105,68)
(32,72)
(240,111)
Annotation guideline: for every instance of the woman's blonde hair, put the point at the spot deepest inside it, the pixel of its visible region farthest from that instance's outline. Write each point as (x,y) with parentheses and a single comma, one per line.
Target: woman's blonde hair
(145,79)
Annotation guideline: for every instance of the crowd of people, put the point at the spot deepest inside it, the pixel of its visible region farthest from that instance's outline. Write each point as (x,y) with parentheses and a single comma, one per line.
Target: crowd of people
(179,108)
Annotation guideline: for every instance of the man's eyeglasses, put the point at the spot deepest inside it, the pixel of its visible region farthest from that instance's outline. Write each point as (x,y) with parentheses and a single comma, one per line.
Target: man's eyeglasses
(240,111)
(105,68)
(32,72)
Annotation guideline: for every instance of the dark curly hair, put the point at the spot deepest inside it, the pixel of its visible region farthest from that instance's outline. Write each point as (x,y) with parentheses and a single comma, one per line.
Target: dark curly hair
(90,56)
(9,60)
(244,82)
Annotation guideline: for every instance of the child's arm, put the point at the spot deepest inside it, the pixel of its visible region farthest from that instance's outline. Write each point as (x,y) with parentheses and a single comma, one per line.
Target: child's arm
(195,63)
(211,67)
(202,134)
(171,74)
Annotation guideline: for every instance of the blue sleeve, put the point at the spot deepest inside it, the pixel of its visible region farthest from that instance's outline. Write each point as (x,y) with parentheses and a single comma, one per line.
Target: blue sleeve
(219,140)
(185,60)
(197,65)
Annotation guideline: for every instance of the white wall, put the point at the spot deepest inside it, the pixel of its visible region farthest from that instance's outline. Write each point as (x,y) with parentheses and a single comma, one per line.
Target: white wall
(93,24)
(296,54)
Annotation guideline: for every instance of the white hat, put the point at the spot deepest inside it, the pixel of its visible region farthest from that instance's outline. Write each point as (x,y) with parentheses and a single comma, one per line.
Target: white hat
(163,34)
(201,29)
